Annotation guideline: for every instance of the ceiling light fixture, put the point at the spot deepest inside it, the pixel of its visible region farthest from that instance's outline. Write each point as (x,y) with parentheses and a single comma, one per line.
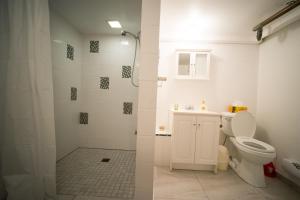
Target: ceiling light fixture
(114,24)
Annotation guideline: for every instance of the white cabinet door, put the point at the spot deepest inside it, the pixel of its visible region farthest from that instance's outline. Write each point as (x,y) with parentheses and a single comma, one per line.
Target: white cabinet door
(207,138)
(201,64)
(184,69)
(183,139)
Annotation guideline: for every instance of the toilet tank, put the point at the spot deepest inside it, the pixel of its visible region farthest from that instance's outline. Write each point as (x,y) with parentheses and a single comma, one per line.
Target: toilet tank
(226,123)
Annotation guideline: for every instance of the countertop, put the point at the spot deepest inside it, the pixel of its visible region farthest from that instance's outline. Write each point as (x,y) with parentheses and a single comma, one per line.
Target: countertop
(195,112)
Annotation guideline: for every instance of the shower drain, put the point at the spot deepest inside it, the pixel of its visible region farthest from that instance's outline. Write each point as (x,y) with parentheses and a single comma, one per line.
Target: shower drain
(105,160)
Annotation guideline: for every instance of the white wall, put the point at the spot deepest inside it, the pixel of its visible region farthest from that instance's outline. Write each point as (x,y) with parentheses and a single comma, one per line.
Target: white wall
(278,109)
(233,76)
(108,127)
(204,20)
(66,74)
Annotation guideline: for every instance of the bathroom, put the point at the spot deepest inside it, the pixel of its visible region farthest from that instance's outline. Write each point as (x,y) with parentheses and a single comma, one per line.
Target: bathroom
(140,110)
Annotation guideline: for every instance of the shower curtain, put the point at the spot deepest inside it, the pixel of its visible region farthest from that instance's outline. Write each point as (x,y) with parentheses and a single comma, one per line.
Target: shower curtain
(27,121)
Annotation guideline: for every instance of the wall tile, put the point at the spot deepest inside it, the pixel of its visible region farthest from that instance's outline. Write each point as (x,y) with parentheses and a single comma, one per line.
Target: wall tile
(145,181)
(145,148)
(151,12)
(84,118)
(104,83)
(147,94)
(150,43)
(149,67)
(127,108)
(126,71)
(73,93)
(146,121)
(145,193)
(94,46)
(70,52)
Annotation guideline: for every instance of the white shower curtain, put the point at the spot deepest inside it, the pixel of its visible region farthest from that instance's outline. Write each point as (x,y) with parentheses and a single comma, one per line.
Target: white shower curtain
(28,133)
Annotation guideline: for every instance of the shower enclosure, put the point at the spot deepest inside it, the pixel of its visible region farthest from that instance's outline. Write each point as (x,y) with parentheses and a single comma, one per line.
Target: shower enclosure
(95,70)
(68,95)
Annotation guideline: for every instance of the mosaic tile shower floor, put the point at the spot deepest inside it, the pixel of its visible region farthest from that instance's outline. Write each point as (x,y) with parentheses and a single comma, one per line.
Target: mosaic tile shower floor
(83,174)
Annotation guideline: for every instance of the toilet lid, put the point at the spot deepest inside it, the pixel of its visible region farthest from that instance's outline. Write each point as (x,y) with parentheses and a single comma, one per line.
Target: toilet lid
(243,124)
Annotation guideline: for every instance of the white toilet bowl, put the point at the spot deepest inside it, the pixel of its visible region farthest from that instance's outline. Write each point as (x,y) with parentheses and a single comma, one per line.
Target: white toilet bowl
(254,153)
(250,168)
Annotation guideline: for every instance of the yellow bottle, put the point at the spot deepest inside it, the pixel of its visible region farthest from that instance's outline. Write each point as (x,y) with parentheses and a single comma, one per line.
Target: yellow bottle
(203,106)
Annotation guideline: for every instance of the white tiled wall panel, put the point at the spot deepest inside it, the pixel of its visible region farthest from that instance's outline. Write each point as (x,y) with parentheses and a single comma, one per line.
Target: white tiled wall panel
(66,74)
(147,99)
(108,126)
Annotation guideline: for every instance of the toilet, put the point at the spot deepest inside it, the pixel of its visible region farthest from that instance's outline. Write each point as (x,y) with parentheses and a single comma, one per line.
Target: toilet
(240,127)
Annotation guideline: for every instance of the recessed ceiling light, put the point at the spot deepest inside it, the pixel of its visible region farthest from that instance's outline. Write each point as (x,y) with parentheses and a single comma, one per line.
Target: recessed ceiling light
(114,24)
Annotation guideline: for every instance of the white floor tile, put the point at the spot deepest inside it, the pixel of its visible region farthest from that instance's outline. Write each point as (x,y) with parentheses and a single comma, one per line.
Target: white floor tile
(65,197)
(178,184)
(185,185)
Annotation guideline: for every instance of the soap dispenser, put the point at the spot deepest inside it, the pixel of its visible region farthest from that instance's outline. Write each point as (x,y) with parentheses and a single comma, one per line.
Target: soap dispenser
(203,106)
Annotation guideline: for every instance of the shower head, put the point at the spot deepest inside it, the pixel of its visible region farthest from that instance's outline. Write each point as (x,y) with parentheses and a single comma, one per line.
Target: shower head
(124,33)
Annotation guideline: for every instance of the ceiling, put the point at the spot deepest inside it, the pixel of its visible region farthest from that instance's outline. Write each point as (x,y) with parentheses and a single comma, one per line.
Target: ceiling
(90,16)
(214,20)
(180,19)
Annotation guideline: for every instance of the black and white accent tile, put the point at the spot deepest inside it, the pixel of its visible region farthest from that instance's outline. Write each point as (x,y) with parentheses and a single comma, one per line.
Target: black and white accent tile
(70,52)
(104,83)
(127,108)
(94,46)
(84,118)
(126,71)
(73,93)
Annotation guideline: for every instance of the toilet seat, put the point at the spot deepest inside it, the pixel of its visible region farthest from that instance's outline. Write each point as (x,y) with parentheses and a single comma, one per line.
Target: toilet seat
(255,145)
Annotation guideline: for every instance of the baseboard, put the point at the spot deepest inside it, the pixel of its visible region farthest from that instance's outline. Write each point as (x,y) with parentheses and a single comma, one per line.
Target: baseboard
(288,182)
(193,167)
(66,155)
(83,147)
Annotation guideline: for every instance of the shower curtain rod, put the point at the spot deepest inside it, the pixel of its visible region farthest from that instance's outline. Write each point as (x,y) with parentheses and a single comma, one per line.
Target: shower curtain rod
(291,5)
(259,28)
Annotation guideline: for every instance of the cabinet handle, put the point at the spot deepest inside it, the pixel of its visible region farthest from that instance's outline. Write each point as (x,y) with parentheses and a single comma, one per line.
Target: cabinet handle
(198,124)
(194,124)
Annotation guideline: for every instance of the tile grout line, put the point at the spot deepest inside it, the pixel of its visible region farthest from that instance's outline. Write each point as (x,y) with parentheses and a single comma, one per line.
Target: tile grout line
(195,175)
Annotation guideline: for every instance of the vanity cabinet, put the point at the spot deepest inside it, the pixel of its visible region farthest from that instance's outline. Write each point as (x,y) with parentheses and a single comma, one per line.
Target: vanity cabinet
(193,64)
(195,140)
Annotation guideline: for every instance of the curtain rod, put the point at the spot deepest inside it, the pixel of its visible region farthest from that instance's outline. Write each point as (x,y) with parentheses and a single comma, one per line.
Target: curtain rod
(259,28)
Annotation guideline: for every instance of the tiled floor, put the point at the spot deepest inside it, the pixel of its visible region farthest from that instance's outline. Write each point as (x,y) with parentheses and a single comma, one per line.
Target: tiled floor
(193,185)
(82,176)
